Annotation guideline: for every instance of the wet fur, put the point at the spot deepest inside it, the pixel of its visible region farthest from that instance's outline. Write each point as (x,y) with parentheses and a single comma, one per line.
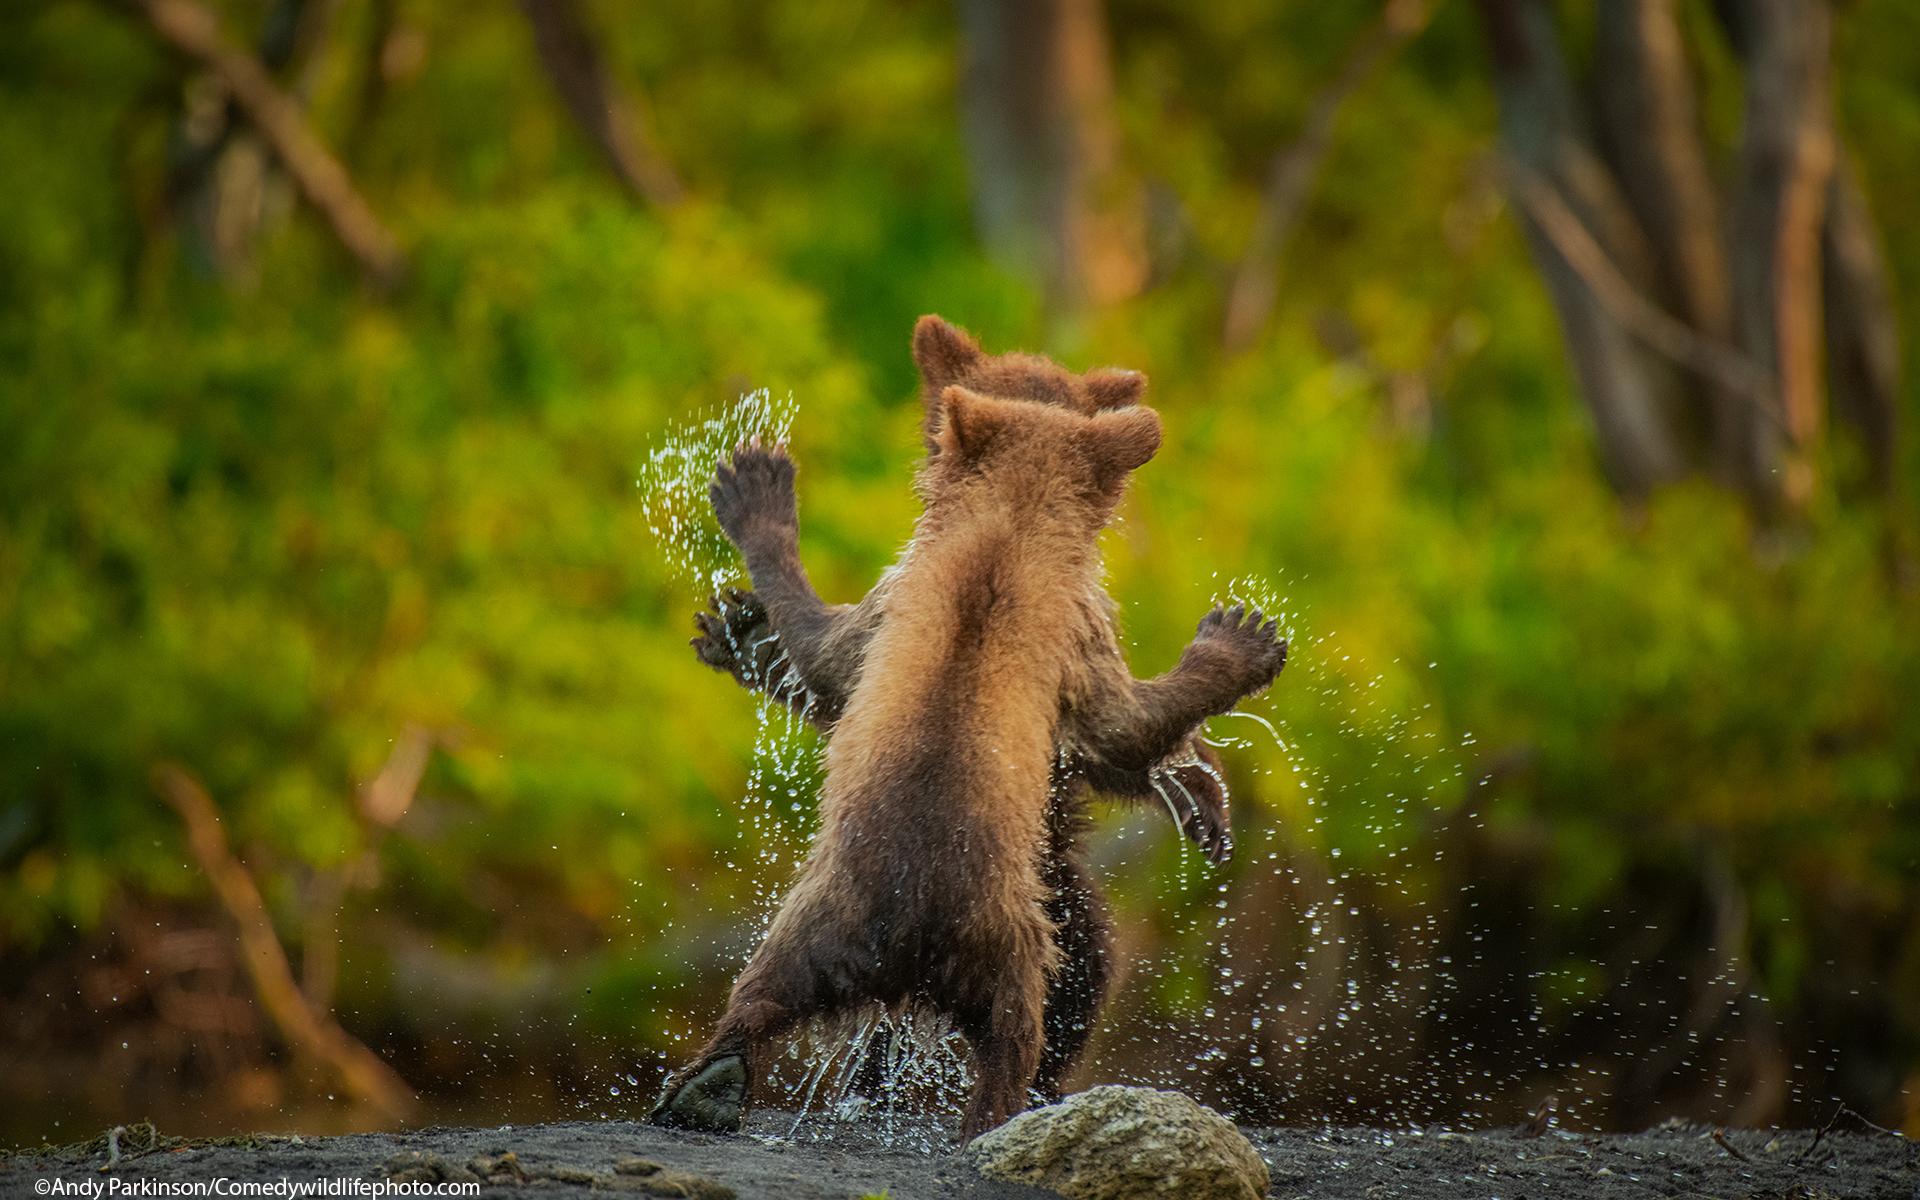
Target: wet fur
(737,636)
(945,872)
(734,637)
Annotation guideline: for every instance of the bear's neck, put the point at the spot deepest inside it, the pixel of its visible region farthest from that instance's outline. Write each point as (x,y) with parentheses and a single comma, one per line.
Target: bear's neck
(987,617)
(995,568)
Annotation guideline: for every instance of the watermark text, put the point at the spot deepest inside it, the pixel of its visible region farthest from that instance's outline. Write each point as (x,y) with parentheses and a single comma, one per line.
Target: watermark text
(284,1187)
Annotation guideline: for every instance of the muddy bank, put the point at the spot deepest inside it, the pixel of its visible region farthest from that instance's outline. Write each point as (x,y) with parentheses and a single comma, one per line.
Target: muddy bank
(850,1161)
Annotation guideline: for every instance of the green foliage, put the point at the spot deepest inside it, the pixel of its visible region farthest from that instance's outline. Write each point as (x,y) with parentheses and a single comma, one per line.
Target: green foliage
(262,528)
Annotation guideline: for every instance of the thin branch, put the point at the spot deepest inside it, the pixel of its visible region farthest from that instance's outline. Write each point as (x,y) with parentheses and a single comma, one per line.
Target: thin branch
(1251,296)
(1653,325)
(616,122)
(382,803)
(385,800)
(1820,1133)
(194,31)
(311,1033)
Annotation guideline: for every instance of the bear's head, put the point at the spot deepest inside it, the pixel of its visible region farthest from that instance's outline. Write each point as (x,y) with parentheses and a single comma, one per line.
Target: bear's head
(947,356)
(1020,461)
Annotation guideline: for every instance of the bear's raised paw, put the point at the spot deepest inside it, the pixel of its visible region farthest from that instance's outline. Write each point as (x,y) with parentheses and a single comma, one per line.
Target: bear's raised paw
(1251,639)
(753,495)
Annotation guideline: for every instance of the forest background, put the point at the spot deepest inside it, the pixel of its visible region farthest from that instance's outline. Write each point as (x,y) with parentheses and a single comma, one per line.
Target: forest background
(1545,358)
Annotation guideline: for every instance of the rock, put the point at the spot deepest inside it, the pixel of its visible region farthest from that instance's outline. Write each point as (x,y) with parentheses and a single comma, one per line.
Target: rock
(1124,1143)
(567,1173)
(638,1176)
(417,1166)
(648,1178)
(504,1166)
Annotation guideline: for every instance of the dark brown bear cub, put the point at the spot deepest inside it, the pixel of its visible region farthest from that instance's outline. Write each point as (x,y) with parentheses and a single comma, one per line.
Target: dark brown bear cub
(923,886)
(738,637)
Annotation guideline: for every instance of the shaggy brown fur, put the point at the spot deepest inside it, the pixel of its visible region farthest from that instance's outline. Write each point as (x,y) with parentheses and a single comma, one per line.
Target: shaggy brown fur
(738,637)
(928,883)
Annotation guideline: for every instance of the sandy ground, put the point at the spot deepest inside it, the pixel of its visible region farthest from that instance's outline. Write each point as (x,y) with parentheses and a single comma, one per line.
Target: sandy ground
(850,1162)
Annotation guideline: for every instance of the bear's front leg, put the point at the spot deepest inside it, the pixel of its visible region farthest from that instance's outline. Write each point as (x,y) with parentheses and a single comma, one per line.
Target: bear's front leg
(1236,653)
(753,498)
(736,637)
(754,501)
(1190,784)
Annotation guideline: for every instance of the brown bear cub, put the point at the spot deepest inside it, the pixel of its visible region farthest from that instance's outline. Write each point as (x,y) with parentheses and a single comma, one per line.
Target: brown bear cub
(993,650)
(738,637)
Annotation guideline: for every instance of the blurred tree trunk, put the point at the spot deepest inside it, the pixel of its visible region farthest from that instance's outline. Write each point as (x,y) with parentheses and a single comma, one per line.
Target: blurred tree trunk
(616,121)
(1650,128)
(1540,120)
(1773,232)
(1863,337)
(1861,332)
(223,183)
(374,75)
(1037,104)
(1732,290)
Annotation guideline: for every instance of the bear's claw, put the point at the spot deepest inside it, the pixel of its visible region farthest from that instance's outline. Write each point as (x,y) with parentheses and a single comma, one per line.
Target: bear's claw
(1253,639)
(735,636)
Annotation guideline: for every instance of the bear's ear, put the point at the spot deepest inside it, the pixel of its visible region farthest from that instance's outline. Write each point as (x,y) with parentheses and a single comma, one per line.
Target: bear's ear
(968,422)
(1111,388)
(1125,439)
(943,352)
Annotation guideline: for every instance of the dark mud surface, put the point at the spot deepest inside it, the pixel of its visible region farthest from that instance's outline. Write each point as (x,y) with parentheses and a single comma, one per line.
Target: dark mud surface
(850,1162)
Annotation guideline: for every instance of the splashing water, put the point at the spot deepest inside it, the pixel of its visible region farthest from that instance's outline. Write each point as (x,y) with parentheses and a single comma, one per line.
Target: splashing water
(1269,1030)
(1321,971)
(673,484)
(921,1066)
(673,492)
(916,1067)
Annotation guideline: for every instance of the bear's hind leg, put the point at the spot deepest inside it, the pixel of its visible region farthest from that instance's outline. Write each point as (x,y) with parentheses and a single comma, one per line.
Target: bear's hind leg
(777,991)
(876,1061)
(1004,1021)
(1079,987)
(1006,1053)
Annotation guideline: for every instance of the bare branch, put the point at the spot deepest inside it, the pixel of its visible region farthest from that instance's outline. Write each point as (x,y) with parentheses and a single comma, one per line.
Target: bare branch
(615,121)
(1255,285)
(311,1033)
(194,31)
(1665,334)
(387,798)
